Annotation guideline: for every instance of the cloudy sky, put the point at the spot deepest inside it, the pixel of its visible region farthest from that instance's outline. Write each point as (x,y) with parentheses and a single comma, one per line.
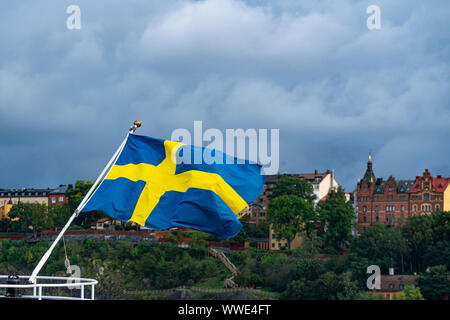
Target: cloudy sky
(334,88)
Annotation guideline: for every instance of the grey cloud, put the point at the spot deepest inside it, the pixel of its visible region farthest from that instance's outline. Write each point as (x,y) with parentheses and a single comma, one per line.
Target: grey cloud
(312,69)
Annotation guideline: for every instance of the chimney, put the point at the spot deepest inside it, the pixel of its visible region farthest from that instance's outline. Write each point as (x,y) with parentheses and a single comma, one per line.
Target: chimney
(315,171)
(391,271)
(332,178)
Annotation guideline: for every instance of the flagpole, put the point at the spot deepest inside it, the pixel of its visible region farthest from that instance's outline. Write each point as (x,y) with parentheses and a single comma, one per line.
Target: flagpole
(80,207)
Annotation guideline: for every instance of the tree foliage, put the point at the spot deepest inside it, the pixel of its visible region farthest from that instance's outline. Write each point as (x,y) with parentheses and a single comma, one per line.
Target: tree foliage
(291,215)
(434,283)
(294,186)
(336,215)
(409,293)
(34,216)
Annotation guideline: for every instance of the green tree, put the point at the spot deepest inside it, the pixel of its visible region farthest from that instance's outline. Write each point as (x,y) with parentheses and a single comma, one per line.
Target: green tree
(366,295)
(381,246)
(336,215)
(32,216)
(418,232)
(328,286)
(440,223)
(409,293)
(75,196)
(294,186)
(5,224)
(291,215)
(434,283)
(60,214)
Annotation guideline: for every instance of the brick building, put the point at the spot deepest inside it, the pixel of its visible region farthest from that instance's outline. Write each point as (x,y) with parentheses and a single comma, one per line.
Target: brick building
(58,195)
(391,201)
(10,197)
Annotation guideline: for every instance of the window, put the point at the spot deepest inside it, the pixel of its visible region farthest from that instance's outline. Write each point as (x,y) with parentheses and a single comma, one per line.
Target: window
(426,197)
(43,201)
(390,189)
(391,286)
(364,208)
(376,208)
(364,219)
(401,286)
(402,208)
(437,207)
(390,197)
(376,219)
(53,199)
(415,207)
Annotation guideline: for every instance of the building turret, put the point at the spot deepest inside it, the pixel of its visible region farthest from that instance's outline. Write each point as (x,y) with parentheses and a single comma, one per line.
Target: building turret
(369,176)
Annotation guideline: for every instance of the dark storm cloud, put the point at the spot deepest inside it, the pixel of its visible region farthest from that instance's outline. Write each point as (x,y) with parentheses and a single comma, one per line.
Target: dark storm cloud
(335,89)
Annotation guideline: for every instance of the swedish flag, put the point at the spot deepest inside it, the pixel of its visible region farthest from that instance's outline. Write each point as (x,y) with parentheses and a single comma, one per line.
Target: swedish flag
(149,186)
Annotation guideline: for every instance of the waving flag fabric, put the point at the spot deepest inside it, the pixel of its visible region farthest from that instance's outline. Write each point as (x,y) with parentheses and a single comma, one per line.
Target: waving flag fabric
(147,186)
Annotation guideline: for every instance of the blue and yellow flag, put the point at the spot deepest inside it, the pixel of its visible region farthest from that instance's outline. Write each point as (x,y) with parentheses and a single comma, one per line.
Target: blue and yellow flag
(149,186)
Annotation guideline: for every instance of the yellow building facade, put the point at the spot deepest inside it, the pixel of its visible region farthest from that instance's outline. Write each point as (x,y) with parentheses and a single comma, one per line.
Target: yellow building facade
(446,206)
(10,197)
(275,244)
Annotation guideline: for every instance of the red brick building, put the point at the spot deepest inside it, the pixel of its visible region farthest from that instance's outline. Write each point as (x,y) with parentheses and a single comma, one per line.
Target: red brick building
(58,195)
(392,201)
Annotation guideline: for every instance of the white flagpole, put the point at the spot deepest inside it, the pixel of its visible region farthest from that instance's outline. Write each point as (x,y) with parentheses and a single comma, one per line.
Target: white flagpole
(80,207)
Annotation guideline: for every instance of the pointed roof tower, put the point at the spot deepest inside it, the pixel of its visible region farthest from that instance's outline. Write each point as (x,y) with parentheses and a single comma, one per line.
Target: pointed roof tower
(369,176)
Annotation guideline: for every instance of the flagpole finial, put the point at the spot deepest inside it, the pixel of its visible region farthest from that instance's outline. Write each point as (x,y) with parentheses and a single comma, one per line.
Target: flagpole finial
(136,124)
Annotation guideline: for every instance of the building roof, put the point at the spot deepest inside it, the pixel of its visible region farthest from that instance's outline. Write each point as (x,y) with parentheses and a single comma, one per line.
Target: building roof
(369,175)
(403,186)
(315,177)
(397,282)
(439,183)
(61,189)
(25,192)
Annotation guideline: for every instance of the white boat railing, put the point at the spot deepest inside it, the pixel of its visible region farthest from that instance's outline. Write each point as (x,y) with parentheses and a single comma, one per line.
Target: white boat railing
(69,282)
